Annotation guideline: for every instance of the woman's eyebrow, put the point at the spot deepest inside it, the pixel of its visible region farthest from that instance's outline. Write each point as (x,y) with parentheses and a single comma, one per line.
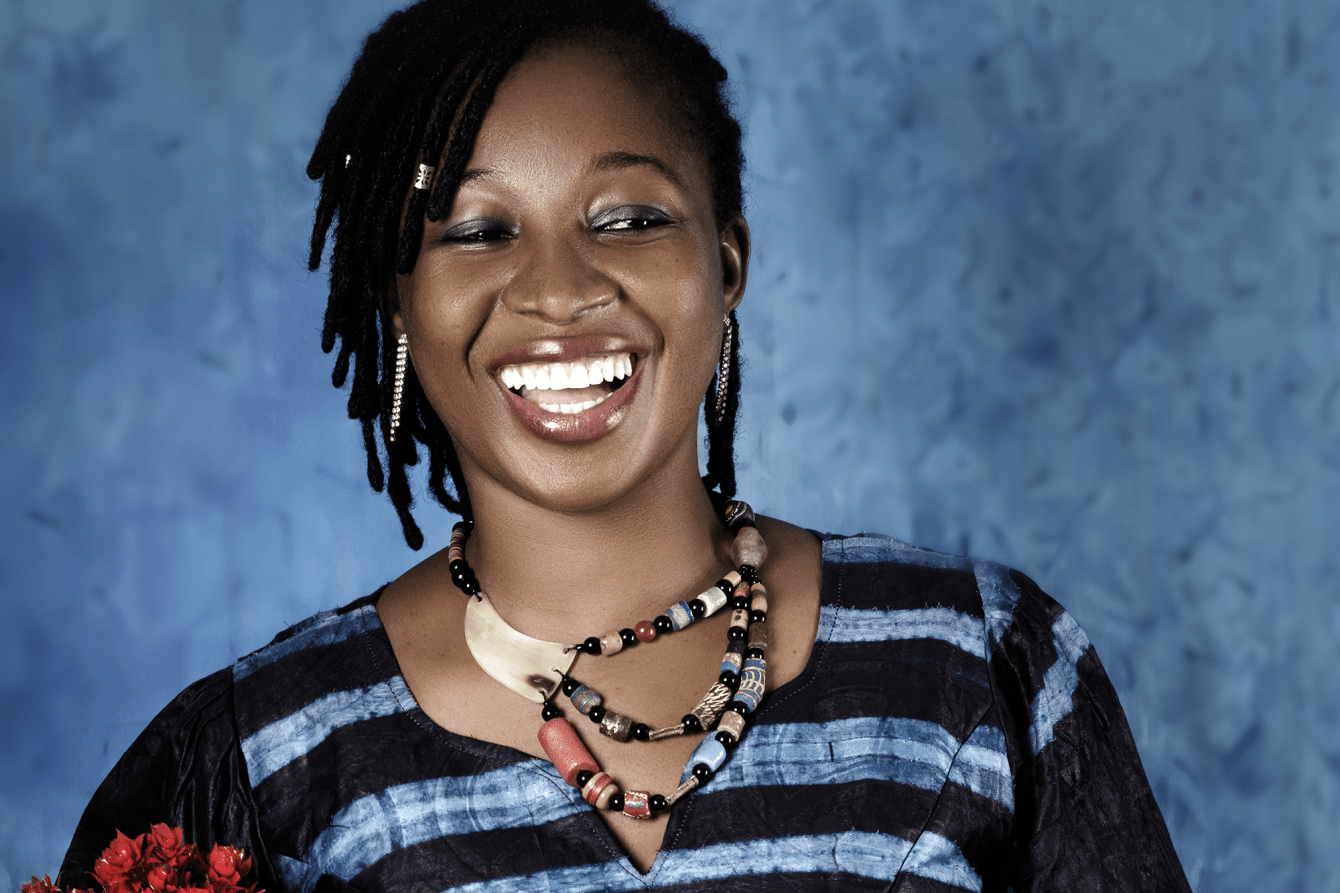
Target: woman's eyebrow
(612,161)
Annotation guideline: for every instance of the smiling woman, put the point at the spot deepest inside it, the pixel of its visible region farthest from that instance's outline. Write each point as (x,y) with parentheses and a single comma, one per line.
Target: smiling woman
(539,250)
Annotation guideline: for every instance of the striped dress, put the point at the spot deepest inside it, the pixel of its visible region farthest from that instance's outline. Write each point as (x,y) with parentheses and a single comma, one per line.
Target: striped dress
(953,730)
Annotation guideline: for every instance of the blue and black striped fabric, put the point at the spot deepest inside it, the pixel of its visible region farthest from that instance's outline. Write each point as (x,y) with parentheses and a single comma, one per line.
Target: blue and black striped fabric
(953,730)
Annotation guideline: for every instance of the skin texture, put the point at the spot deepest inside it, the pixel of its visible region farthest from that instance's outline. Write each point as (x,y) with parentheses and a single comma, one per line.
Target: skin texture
(584,213)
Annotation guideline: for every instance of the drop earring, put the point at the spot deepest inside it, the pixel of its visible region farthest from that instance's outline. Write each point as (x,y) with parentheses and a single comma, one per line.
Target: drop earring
(398,391)
(723,376)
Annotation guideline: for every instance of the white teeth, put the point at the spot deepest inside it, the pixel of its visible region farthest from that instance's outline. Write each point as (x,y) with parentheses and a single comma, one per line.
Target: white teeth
(571,408)
(563,376)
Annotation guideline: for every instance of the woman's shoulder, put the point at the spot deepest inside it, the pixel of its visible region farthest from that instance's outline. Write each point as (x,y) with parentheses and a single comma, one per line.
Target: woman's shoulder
(877,585)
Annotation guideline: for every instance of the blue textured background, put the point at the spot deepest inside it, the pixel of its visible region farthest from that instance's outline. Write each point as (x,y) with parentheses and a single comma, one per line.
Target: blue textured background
(1053,283)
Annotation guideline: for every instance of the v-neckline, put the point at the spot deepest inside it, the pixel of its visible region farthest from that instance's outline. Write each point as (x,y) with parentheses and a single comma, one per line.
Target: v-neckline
(503,754)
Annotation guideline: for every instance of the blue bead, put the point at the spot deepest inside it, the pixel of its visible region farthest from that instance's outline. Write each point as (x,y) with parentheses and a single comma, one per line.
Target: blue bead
(680,614)
(585,698)
(712,752)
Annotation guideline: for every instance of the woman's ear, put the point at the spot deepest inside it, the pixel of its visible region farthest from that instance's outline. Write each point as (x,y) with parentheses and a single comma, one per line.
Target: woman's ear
(734,261)
(390,302)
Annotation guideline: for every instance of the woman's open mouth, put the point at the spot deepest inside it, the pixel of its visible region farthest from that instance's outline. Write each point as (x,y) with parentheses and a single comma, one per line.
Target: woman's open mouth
(575,400)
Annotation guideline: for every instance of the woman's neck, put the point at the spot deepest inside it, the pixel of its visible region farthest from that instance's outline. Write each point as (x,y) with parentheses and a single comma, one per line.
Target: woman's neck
(561,574)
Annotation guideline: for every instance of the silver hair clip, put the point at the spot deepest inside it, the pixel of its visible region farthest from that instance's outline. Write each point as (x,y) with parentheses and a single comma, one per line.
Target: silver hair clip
(424,178)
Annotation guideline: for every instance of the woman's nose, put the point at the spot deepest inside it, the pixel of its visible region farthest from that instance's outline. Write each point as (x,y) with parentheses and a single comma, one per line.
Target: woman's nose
(557,282)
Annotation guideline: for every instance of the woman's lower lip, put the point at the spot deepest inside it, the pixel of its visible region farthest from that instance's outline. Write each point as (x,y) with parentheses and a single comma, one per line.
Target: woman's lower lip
(578,427)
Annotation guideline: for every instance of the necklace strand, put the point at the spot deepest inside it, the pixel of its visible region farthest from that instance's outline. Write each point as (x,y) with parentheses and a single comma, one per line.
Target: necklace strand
(736,693)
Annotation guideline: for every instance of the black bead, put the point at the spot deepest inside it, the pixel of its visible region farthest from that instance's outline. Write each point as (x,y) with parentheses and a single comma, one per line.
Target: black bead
(662,624)
(642,731)
(456,565)
(749,573)
(758,617)
(736,632)
(591,645)
(583,777)
(629,637)
(470,587)
(754,653)
(616,803)
(740,603)
(739,707)
(691,723)
(570,685)
(726,738)
(597,714)
(702,773)
(698,607)
(725,586)
(736,646)
(657,803)
(549,711)
(729,679)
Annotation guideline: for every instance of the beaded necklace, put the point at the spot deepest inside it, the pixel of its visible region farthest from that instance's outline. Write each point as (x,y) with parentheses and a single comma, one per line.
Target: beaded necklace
(537,670)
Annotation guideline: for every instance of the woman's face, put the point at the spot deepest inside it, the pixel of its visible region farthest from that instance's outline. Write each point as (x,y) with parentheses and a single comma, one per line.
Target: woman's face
(565,318)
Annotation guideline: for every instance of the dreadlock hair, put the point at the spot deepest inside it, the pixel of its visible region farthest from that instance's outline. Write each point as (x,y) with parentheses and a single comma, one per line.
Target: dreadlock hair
(418,94)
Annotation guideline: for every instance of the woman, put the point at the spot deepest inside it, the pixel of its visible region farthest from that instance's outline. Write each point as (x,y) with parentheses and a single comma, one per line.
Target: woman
(539,250)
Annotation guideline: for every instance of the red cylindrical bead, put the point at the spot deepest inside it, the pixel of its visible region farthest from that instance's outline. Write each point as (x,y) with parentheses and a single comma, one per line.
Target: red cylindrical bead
(637,804)
(644,630)
(565,750)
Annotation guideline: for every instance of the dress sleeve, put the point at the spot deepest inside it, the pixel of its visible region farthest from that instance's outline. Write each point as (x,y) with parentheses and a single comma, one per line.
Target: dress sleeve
(1085,818)
(185,769)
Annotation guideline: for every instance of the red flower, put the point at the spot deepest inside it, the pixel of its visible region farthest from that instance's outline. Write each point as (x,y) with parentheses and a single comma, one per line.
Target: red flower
(226,866)
(42,886)
(164,843)
(118,862)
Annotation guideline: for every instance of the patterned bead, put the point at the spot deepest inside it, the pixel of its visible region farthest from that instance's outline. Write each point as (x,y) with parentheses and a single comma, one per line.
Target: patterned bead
(738,514)
(606,798)
(733,723)
(742,590)
(732,662)
(758,598)
(748,548)
(714,599)
(585,698)
(758,635)
(565,750)
(710,707)
(644,631)
(611,642)
(680,614)
(710,752)
(593,788)
(753,677)
(740,617)
(616,726)
(637,804)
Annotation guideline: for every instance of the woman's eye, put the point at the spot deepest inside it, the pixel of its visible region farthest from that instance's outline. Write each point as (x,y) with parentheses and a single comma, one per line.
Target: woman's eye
(630,220)
(477,231)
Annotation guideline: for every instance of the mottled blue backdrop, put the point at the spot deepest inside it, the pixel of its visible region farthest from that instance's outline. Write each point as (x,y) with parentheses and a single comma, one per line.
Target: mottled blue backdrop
(1056,283)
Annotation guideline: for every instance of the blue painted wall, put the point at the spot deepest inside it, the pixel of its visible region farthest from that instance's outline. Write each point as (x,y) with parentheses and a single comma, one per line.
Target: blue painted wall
(1056,283)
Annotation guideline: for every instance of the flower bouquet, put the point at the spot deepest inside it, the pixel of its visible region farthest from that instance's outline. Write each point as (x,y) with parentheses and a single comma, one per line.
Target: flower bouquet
(158,861)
